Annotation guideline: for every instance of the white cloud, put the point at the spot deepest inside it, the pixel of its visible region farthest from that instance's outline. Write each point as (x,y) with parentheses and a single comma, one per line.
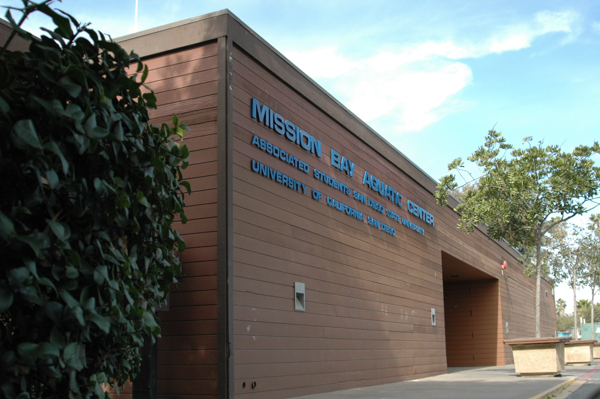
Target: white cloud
(511,42)
(416,84)
(410,91)
(555,21)
(411,85)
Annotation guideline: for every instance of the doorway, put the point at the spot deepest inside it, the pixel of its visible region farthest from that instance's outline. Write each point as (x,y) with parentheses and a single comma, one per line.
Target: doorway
(472,315)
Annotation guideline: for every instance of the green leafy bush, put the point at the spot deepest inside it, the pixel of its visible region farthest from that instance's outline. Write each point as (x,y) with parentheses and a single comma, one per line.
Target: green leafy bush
(89,194)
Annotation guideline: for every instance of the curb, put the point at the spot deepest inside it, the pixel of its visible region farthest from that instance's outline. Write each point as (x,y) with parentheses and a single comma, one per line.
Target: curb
(553,391)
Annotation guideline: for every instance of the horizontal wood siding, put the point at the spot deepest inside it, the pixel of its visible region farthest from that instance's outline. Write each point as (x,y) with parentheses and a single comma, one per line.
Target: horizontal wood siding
(368,294)
(185,83)
(521,315)
(519,309)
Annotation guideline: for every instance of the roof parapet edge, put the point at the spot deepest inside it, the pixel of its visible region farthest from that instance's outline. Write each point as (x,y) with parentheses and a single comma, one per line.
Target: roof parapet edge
(173,25)
(284,58)
(292,65)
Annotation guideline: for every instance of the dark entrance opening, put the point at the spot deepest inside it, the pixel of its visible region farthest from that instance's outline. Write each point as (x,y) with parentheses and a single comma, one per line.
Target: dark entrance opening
(471,311)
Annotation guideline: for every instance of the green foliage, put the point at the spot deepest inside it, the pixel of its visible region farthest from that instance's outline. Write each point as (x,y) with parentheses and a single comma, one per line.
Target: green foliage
(589,250)
(460,193)
(583,304)
(89,194)
(594,224)
(523,193)
(573,251)
(561,304)
(567,246)
(520,190)
(564,322)
(584,311)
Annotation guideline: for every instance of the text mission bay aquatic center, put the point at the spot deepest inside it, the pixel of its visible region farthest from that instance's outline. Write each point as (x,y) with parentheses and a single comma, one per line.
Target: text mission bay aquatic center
(293,133)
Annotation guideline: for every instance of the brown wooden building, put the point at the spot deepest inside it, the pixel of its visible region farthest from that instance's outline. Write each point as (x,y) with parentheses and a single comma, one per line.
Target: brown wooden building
(290,187)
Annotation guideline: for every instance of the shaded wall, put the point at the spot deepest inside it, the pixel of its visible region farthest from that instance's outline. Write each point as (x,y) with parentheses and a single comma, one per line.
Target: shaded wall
(185,83)
(17,43)
(519,308)
(473,328)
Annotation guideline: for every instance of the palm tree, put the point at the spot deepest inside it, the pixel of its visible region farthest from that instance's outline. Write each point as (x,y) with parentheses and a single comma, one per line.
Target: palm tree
(583,307)
(561,305)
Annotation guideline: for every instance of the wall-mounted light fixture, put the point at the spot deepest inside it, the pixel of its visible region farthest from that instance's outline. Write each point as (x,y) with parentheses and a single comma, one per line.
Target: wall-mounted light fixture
(299,296)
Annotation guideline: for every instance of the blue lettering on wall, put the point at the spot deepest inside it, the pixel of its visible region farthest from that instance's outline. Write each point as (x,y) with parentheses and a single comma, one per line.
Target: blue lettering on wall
(348,210)
(309,143)
(293,133)
(342,163)
(373,222)
(382,189)
(413,226)
(279,177)
(420,213)
(279,153)
(375,205)
(388,229)
(330,181)
(392,215)
(381,226)
(316,195)
(360,197)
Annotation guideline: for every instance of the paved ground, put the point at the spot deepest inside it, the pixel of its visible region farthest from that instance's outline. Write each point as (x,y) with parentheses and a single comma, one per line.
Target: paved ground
(587,386)
(501,382)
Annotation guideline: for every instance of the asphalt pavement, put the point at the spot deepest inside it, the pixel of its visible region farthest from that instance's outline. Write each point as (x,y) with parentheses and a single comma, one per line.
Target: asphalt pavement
(586,386)
(498,382)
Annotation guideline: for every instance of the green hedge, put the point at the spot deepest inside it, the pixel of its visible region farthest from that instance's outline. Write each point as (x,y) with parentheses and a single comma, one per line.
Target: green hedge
(89,192)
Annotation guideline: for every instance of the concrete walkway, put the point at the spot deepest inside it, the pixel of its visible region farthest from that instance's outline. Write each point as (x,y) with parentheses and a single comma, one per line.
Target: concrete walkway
(499,382)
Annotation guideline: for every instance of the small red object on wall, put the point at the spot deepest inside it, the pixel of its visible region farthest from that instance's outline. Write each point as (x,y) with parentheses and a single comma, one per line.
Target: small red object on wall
(503,267)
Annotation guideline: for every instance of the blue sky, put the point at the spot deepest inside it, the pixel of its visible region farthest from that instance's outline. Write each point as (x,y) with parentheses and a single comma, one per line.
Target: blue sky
(430,76)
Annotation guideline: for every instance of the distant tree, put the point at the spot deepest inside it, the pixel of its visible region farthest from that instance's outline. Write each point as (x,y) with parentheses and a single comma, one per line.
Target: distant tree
(564,322)
(583,309)
(90,191)
(585,312)
(591,252)
(521,190)
(594,224)
(561,305)
(570,254)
